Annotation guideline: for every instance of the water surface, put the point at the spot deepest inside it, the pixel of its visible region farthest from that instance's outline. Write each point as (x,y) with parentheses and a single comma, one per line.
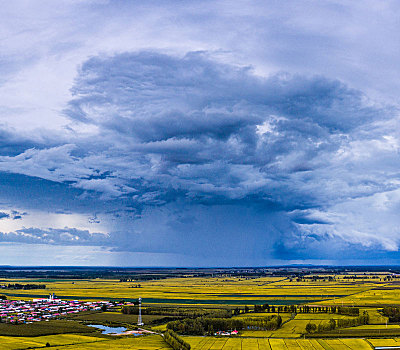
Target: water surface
(107,329)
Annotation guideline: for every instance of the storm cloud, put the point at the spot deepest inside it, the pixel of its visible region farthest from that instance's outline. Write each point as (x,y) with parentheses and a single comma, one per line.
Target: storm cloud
(208,151)
(195,132)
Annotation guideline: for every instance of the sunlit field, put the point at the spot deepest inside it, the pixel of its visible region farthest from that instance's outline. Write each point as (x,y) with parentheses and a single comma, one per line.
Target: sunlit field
(197,343)
(83,342)
(213,293)
(200,343)
(212,290)
(36,342)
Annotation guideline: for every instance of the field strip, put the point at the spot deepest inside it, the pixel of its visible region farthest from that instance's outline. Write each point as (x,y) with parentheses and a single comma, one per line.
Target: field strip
(218,344)
(357,344)
(324,344)
(347,344)
(305,344)
(336,344)
(277,344)
(292,344)
(263,344)
(207,343)
(235,343)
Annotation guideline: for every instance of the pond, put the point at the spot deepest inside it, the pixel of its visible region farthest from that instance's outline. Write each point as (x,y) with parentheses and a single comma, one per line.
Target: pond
(108,330)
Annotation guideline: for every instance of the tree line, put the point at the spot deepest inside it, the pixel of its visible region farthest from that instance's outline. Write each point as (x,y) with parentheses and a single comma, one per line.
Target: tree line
(350,311)
(340,323)
(204,325)
(392,312)
(269,323)
(175,341)
(179,312)
(23,286)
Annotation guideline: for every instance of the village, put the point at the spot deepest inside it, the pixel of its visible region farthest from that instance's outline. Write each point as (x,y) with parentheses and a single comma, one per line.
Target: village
(21,311)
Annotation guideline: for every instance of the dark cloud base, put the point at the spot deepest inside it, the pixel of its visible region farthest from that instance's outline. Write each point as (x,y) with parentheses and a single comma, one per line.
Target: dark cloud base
(196,156)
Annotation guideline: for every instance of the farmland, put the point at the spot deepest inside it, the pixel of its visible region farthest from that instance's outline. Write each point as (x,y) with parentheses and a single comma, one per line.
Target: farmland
(192,296)
(83,342)
(199,343)
(194,290)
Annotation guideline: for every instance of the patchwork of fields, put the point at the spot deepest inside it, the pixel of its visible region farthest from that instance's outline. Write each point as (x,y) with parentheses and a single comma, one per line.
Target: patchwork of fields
(156,342)
(231,292)
(295,327)
(203,343)
(67,342)
(194,290)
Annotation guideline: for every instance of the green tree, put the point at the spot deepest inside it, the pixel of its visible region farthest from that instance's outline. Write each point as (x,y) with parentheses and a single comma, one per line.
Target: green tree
(311,327)
(332,324)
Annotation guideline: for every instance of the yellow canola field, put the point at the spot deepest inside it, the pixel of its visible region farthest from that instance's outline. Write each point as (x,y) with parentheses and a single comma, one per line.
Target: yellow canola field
(293,328)
(193,288)
(385,342)
(67,342)
(140,343)
(208,343)
(32,342)
(387,295)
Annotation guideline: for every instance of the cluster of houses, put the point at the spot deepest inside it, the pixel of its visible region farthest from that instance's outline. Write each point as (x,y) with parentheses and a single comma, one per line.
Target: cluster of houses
(20,311)
(234,332)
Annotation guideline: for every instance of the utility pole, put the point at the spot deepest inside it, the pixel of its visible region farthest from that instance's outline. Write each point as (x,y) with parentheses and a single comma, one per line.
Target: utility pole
(140,322)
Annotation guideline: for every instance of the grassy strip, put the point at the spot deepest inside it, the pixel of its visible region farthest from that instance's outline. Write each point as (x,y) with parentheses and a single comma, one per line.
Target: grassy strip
(44,328)
(350,333)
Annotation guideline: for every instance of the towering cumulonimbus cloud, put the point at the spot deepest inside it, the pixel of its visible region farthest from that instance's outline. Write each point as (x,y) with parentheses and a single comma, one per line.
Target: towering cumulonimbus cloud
(189,154)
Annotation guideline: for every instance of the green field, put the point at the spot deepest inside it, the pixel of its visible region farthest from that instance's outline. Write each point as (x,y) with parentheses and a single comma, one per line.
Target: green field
(44,328)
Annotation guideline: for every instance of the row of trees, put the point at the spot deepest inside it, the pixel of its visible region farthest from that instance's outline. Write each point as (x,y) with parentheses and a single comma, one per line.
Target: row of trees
(178,312)
(351,322)
(204,325)
(175,341)
(269,323)
(351,311)
(23,286)
(340,323)
(273,309)
(312,327)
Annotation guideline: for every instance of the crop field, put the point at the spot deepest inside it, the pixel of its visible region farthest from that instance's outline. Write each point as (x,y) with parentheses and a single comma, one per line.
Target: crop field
(379,296)
(295,328)
(67,342)
(211,291)
(208,343)
(36,342)
(361,331)
(212,294)
(44,328)
(385,342)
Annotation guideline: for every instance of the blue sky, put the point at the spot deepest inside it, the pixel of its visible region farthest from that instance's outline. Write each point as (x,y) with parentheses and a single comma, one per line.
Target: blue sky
(186,133)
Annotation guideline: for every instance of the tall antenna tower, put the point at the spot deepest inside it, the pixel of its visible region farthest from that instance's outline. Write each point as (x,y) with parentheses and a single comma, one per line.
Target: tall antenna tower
(140,322)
